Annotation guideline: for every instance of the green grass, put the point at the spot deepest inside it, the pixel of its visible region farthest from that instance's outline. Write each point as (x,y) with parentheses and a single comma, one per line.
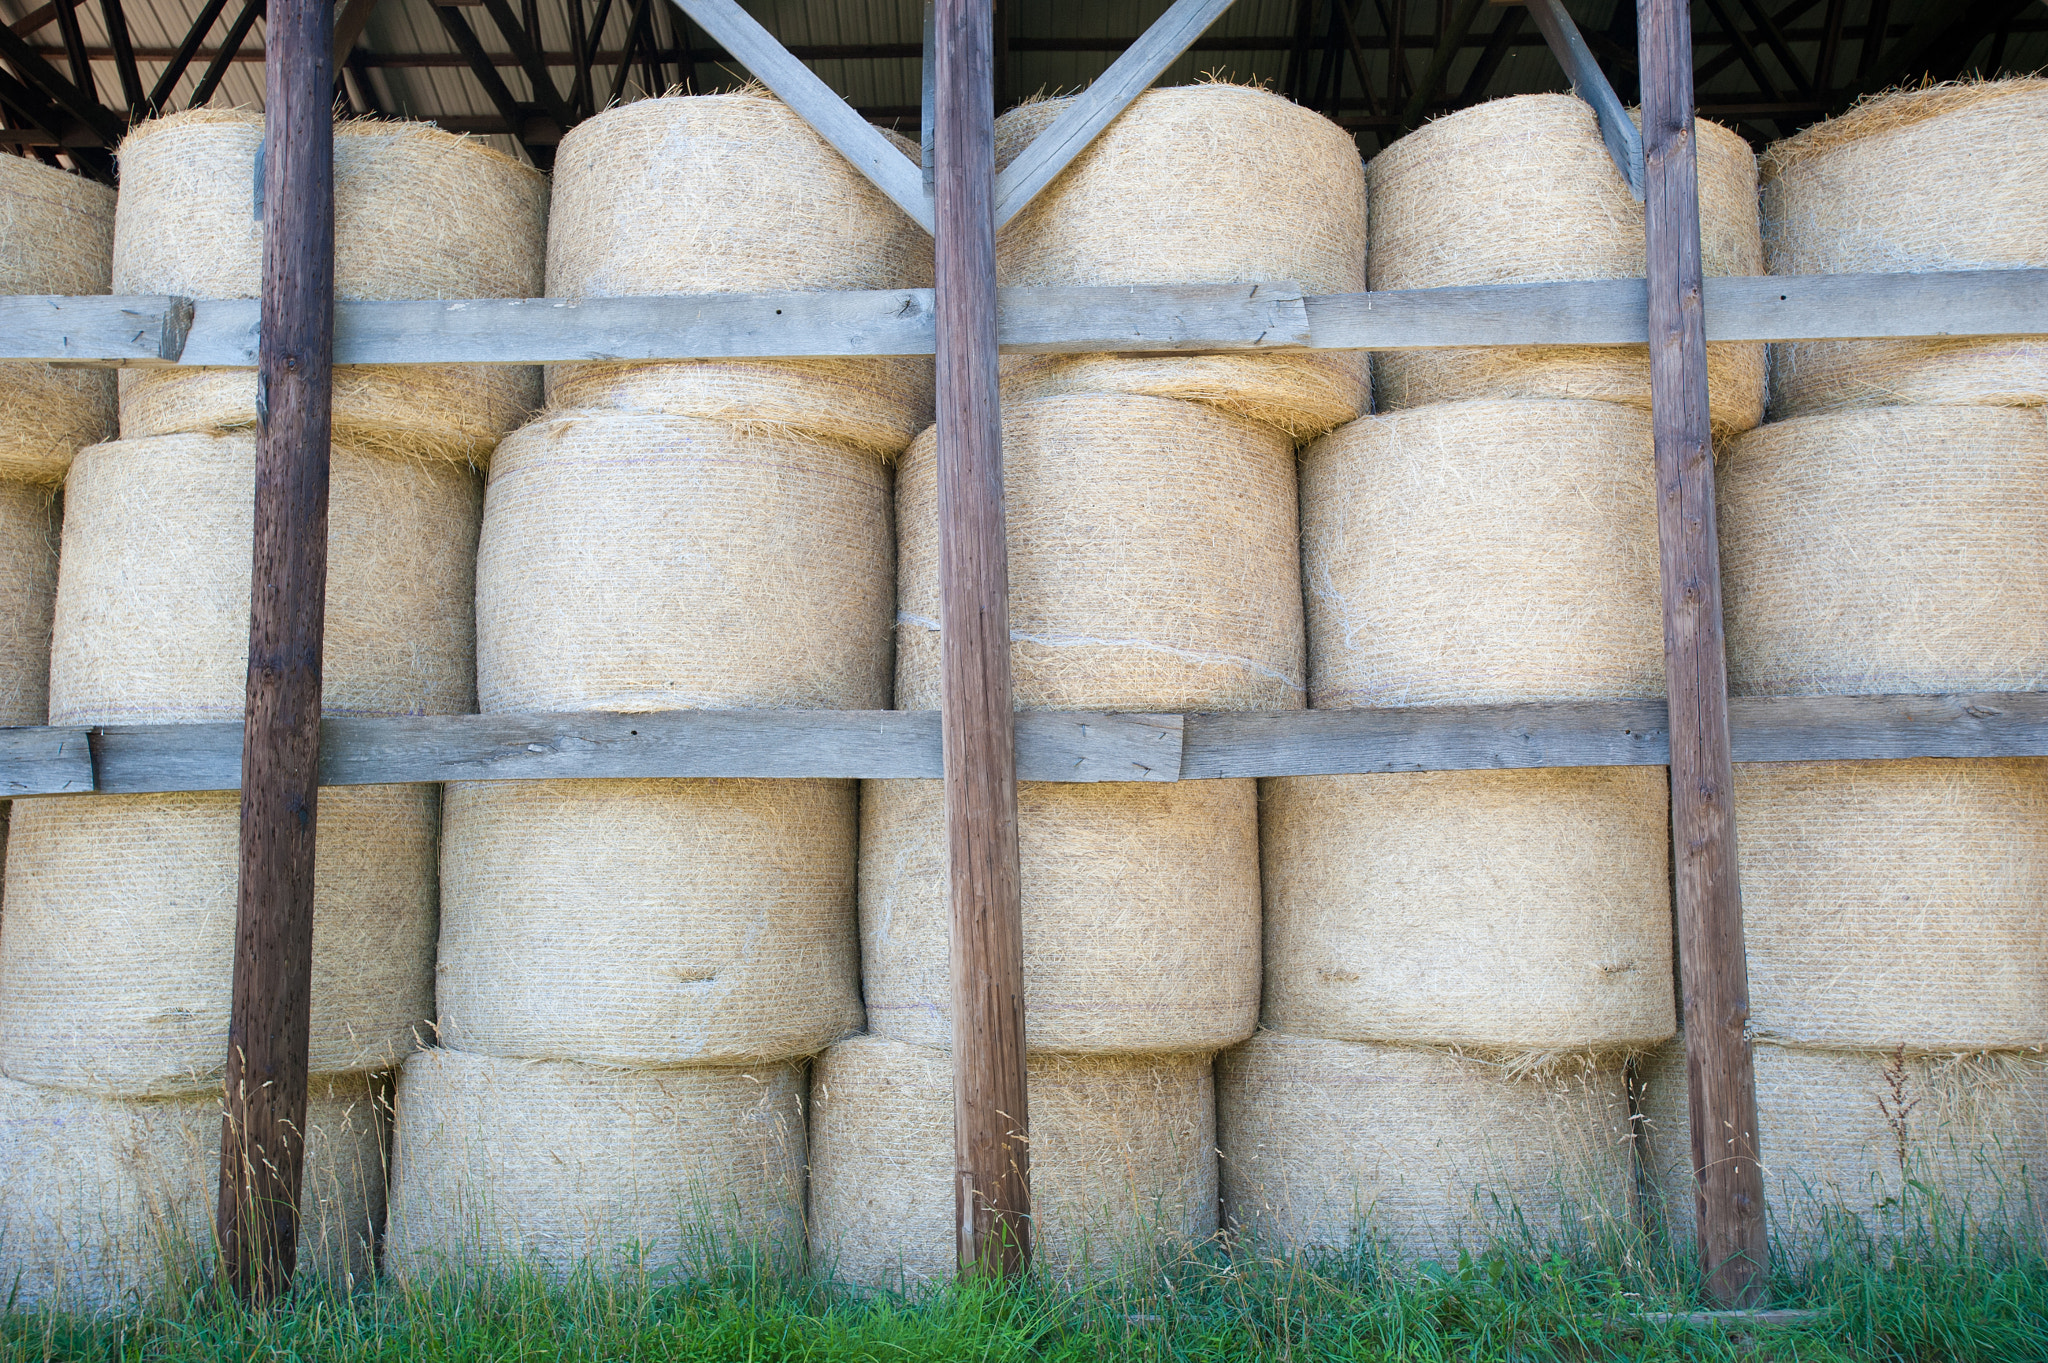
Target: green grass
(1917,1297)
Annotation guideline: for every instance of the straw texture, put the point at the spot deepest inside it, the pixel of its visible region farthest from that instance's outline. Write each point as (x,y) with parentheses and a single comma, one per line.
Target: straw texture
(1197,184)
(733,193)
(1141,914)
(152,615)
(1892,904)
(1521,191)
(638,563)
(418,213)
(1512,911)
(56,236)
(104,1203)
(1482,552)
(1123,1159)
(648,923)
(1153,559)
(502,1162)
(1840,1132)
(1944,178)
(1890,551)
(1327,1143)
(148,881)
(28,592)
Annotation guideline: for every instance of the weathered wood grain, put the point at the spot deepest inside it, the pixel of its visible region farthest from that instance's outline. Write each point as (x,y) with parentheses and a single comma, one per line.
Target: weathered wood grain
(1161,318)
(1734,1248)
(1431,738)
(40,761)
(1871,728)
(1835,307)
(135,330)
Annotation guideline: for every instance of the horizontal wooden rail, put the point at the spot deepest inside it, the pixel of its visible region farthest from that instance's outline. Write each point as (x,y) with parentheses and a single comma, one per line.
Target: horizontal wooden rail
(1051,745)
(1190,318)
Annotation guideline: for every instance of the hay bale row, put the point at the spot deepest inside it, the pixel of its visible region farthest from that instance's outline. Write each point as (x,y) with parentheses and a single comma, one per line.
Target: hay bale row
(418,213)
(1943,178)
(551,1166)
(56,236)
(108,1204)
(1141,915)
(1522,191)
(1199,184)
(1327,1144)
(648,923)
(1123,1160)
(1876,1142)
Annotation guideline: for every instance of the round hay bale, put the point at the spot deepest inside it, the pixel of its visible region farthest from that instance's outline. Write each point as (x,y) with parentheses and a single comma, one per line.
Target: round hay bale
(1890,551)
(1154,563)
(1513,911)
(149,881)
(648,923)
(418,213)
(1141,914)
(636,563)
(1522,191)
(1943,178)
(1903,1144)
(1123,1160)
(1327,1144)
(28,592)
(733,193)
(1892,904)
(56,236)
(108,1204)
(152,615)
(1197,184)
(517,1163)
(1480,552)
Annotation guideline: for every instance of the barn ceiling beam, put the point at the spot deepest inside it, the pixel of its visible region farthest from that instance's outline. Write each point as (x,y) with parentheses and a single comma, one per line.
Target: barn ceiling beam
(538,141)
(124,57)
(1745,49)
(107,126)
(217,69)
(530,60)
(1939,45)
(1774,38)
(1455,32)
(167,83)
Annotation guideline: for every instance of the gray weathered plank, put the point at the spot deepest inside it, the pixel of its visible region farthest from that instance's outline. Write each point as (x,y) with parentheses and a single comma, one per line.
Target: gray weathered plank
(859,141)
(136,330)
(1170,317)
(39,761)
(1867,728)
(1624,140)
(1065,746)
(1097,107)
(1446,738)
(1574,312)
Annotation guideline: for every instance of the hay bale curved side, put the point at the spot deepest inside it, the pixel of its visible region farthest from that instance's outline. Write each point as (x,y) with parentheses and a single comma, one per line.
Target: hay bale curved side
(152,613)
(1889,551)
(1153,559)
(418,213)
(1891,904)
(149,881)
(1327,1144)
(1480,552)
(1197,184)
(1513,911)
(1853,195)
(1141,914)
(734,568)
(28,599)
(1902,1144)
(648,923)
(733,193)
(505,1163)
(56,236)
(108,1204)
(1123,1160)
(1521,191)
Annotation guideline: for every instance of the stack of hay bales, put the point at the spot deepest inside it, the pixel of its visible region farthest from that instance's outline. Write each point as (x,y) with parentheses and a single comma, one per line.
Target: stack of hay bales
(114,1056)
(1890,535)
(648,962)
(1153,560)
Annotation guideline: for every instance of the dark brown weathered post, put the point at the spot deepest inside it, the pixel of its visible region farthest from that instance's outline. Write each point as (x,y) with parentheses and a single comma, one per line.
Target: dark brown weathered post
(263,1122)
(989,1114)
(1713,968)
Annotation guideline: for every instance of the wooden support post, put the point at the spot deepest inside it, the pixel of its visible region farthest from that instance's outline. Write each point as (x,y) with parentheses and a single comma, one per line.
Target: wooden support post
(1714,972)
(263,1123)
(989,1105)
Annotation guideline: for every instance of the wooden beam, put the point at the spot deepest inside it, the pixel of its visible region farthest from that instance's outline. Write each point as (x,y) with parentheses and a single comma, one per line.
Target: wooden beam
(174,70)
(532,63)
(352,17)
(263,1120)
(1068,135)
(106,126)
(217,69)
(133,97)
(540,150)
(991,1118)
(1448,45)
(1734,1248)
(1589,83)
(136,330)
(799,87)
